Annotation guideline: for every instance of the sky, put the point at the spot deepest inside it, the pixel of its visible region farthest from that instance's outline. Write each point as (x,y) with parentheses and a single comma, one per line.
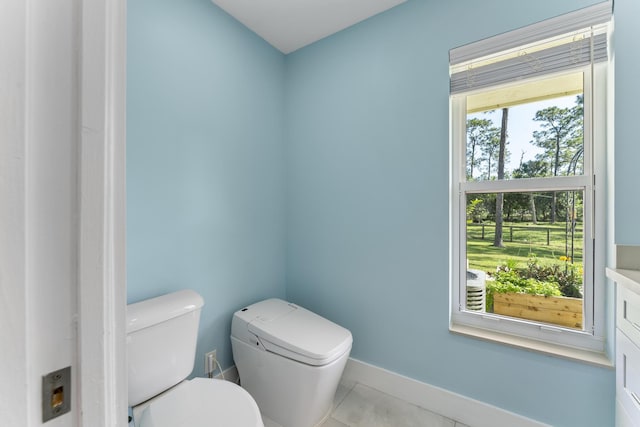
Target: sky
(520,127)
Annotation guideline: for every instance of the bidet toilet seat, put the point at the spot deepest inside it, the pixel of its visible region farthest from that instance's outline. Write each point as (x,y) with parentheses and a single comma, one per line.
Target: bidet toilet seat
(202,402)
(291,331)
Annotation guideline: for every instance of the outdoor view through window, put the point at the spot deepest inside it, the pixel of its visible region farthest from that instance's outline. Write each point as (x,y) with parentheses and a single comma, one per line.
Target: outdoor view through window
(524,241)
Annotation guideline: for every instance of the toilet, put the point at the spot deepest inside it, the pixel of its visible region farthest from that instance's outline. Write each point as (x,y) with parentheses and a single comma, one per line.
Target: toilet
(161,343)
(290,360)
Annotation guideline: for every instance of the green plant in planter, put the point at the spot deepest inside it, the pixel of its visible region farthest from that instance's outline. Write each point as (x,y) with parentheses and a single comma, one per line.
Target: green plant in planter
(536,278)
(507,280)
(568,276)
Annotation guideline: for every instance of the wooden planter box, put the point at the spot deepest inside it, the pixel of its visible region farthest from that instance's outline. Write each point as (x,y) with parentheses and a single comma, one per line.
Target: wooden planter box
(563,311)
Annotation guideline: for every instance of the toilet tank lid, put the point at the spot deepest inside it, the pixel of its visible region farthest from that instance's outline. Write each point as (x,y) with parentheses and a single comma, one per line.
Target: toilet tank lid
(294,332)
(152,311)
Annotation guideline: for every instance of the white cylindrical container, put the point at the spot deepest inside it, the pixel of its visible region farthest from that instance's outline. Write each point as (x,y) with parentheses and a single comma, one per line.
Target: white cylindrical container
(476,290)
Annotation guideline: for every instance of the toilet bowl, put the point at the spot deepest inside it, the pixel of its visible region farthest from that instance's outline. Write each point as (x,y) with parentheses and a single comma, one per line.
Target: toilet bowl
(161,342)
(290,360)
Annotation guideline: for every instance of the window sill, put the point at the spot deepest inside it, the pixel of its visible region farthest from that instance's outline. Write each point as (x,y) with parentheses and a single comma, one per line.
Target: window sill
(584,356)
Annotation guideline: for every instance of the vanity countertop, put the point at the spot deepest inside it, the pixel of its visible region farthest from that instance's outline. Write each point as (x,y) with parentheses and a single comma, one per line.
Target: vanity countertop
(630,279)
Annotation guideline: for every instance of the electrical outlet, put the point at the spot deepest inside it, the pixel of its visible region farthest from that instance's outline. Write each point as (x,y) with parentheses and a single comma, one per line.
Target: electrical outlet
(210,363)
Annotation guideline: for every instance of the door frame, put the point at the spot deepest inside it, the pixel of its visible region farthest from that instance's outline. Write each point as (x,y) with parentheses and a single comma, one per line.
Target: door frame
(102,213)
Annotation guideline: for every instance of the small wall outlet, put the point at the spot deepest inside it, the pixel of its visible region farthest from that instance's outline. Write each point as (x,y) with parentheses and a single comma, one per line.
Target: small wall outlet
(210,363)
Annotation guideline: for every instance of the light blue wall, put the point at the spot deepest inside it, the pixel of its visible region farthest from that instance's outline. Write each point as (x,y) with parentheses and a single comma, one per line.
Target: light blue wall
(205,167)
(350,179)
(627,158)
(368,217)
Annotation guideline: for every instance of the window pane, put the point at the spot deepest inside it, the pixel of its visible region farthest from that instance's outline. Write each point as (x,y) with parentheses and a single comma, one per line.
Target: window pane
(526,131)
(525,255)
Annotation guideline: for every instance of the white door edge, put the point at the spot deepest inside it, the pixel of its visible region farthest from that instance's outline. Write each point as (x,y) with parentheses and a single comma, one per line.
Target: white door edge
(102,271)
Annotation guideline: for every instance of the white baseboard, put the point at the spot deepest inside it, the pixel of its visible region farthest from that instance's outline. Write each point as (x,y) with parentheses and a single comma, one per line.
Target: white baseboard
(463,409)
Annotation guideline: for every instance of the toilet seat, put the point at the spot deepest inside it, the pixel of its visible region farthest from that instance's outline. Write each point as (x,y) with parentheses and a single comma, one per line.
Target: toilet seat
(202,402)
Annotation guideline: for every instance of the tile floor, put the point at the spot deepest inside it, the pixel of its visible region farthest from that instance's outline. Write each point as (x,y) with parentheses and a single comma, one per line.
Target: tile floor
(357,405)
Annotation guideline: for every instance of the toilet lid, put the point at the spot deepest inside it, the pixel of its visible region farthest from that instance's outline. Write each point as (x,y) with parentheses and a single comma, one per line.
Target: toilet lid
(203,402)
(297,333)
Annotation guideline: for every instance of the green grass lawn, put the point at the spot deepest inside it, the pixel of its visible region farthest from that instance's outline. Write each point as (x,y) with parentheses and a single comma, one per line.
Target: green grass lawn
(528,240)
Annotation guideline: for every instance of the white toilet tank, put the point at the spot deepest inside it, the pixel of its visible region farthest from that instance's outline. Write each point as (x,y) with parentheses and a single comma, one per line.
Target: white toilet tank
(162,334)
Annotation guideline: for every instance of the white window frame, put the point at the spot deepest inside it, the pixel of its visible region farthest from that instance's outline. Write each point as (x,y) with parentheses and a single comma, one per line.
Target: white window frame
(588,344)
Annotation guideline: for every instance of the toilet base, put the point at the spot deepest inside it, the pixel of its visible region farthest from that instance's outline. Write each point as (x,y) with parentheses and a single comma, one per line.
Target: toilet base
(290,393)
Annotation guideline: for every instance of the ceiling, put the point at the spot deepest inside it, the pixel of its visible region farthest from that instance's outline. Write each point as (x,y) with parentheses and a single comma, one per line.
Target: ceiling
(289,25)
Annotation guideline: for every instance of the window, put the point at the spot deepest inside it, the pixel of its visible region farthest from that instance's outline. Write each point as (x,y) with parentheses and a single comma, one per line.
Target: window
(528,116)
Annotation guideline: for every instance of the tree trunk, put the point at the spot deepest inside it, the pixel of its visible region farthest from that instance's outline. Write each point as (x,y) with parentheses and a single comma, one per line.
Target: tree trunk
(473,158)
(556,166)
(532,203)
(497,242)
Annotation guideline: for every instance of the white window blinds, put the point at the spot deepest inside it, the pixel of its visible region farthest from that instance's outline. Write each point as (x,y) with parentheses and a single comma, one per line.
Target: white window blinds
(558,44)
